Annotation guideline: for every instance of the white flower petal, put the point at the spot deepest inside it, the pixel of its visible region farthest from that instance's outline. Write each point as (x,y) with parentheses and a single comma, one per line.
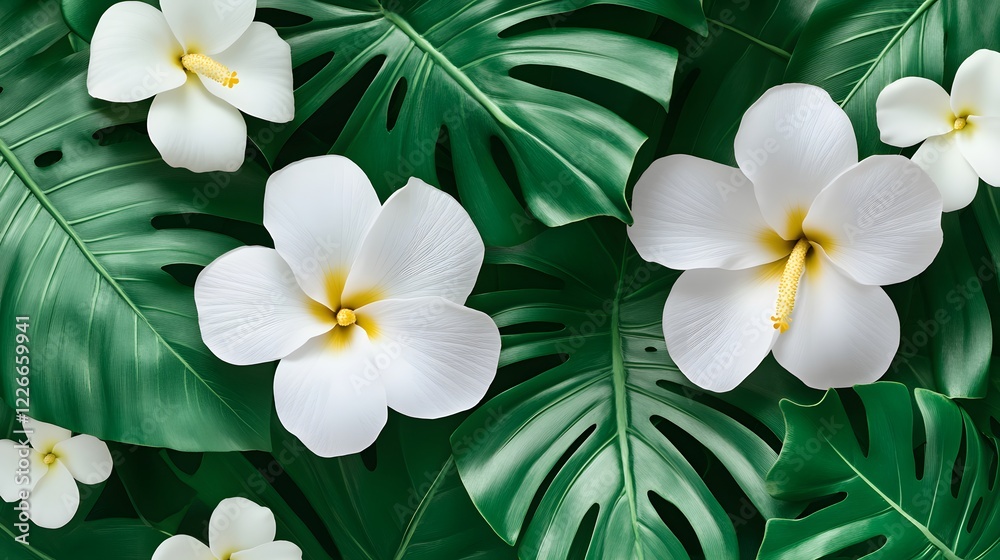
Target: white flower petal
(239,524)
(717,324)
(251,309)
(87,458)
(43,436)
(196,130)
(694,213)
(16,479)
(842,333)
(980,144)
(436,357)
(329,395)
(422,244)
(976,90)
(205,27)
(791,143)
(880,221)
(133,54)
(55,498)
(942,159)
(183,547)
(912,109)
(318,210)
(263,64)
(278,550)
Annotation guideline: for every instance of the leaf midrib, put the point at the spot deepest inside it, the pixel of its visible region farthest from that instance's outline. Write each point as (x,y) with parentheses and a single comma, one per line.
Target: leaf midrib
(938,543)
(19,170)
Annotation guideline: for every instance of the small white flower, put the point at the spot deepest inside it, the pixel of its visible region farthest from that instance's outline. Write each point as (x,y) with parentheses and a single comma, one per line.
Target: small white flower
(962,132)
(799,207)
(362,304)
(205,62)
(239,530)
(53,459)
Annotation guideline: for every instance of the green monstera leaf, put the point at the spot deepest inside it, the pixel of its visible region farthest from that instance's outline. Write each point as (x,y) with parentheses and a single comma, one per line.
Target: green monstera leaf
(447,66)
(88,245)
(943,504)
(613,426)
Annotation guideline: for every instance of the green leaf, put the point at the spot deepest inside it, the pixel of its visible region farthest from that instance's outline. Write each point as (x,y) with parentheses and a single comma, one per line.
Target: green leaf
(944,506)
(449,66)
(614,423)
(114,341)
(411,506)
(855,48)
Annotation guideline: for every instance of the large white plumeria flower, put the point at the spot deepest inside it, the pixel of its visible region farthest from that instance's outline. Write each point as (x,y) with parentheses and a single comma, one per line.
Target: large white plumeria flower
(962,132)
(205,62)
(238,530)
(41,472)
(799,225)
(362,304)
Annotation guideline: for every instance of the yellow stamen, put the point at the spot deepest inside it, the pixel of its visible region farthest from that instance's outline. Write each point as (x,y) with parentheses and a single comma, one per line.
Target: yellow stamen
(49,459)
(789,285)
(346,317)
(959,123)
(204,65)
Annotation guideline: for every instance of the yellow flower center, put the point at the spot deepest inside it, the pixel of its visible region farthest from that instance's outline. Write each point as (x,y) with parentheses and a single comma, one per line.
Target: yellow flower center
(49,459)
(959,123)
(789,285)
(203,65)
(346,317)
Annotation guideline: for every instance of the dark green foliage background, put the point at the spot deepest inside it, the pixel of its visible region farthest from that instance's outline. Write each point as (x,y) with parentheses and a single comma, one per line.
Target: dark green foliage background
(591,444)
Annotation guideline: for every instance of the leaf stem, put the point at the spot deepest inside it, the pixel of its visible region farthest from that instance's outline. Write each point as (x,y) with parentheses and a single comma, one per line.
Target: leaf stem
(776,50)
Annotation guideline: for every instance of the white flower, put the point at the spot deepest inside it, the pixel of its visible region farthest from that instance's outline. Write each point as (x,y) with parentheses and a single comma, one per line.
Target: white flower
(239,530)
(962,132)
(40,476)
(362,304)
(799,206)
(205,62)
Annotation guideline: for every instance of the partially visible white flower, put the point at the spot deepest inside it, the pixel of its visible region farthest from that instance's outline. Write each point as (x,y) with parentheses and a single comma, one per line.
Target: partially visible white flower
(962,132)
(44,473)
(787,252)
(205,62)
(239,530)
(361,302)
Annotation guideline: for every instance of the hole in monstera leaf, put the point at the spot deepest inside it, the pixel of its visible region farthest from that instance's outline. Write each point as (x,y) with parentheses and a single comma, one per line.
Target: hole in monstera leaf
(584,534)
(443,164)
(859,550)
(505,165)
(974,516)
(183,273)
(678,524)
(696,454)
(48,158)
(308,69)
(822,503)
(543,487)
(991,478)
(186,462)
(369,457)
(395,104)
(612,18)
(276,17)
(855,408)
(734,412)
(1,89)
(958,467)
(120,133)
(919,454)
(650,349)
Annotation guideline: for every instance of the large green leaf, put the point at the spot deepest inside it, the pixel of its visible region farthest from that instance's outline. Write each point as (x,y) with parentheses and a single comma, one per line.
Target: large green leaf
(944,505)
(615,425)
(114,342)
(448,66)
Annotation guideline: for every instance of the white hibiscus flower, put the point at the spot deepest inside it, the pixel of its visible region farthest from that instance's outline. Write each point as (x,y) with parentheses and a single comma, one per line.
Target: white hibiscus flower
(362,304)
(800,226)
(961,132)
(43,474)
(238,530)
(205,62)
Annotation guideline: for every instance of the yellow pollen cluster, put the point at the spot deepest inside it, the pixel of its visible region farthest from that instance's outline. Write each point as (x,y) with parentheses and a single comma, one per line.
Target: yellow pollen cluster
(789,285)
(49,459)
(346,317)
(959,123)
(204,65)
